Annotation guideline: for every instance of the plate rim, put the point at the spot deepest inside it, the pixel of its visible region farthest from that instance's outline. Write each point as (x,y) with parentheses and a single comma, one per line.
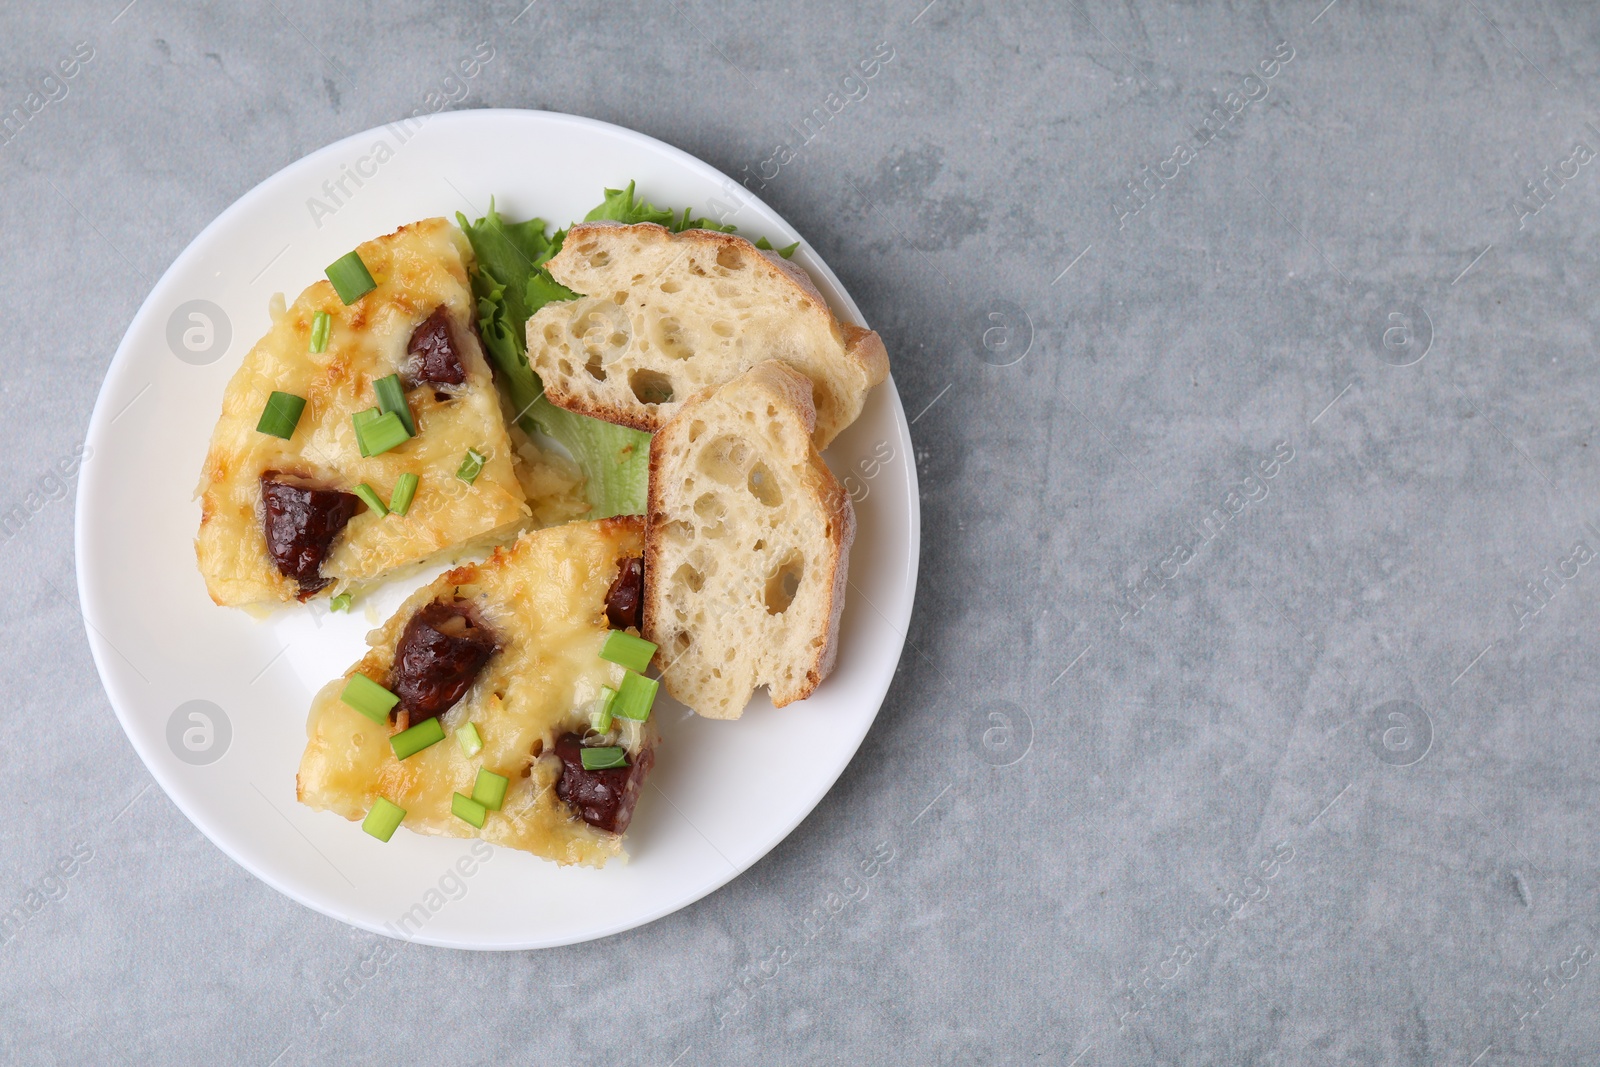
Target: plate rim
(83,508)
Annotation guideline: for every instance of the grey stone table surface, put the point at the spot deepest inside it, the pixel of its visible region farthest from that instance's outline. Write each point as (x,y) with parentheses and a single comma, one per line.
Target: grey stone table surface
(1247,713)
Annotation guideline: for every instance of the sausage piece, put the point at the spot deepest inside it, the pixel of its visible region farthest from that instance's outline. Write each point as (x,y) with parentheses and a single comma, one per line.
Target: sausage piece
(441,652)
(300,524)
(433,345)
(626,595)
(603,799)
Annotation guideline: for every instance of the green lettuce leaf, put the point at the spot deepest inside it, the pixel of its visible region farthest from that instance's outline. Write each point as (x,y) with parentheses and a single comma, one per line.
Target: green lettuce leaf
(621,206)
(766,246)
(506,253)
(510,284)
(542,289)
(615,460)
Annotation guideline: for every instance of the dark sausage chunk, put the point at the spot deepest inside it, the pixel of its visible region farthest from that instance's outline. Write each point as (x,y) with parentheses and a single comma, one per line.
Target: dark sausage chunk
(603,799)
(300,524)
(440,654)
(434,345)
(626,595)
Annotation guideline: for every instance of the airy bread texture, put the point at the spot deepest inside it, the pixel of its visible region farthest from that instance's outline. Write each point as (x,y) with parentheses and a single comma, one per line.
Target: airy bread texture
(667,315)
(747,545)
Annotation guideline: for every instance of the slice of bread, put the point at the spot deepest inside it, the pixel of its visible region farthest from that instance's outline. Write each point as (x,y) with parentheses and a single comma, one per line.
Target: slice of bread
(747,544)
(666,315)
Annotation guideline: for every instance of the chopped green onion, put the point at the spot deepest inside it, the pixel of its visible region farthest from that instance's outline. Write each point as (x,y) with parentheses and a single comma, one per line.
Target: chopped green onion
(369,496)
(632,652)
(468,810)
(408,743)
(383,819)
(361,420)
(377,433)
(600,759)
(467,737)
(281,415)
(471,466)
(321,326)
(602,719)
(368,697)
(340,602)
(392,397)
(405,488)
(350,277)
(635,696)
(490,789)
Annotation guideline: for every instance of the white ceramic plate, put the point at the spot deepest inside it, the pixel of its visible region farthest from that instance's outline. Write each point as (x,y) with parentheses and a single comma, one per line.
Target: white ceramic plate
(215,702)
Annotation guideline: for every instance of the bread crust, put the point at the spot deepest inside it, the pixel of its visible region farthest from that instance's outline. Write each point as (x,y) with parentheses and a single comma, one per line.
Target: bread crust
(785,386)
(843,368)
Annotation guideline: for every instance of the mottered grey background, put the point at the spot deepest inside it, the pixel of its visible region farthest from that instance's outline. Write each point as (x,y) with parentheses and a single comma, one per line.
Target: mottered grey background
(1248,709)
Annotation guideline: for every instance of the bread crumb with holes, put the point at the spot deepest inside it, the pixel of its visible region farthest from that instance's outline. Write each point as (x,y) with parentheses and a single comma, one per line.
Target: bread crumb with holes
(747,546)
(665,316)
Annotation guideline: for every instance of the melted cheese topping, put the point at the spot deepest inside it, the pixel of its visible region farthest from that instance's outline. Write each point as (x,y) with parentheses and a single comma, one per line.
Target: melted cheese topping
(544,599)
(417,268)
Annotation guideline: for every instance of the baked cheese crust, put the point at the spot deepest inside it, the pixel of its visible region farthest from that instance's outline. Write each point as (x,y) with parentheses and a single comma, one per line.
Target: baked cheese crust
(544,599)
(418,268)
